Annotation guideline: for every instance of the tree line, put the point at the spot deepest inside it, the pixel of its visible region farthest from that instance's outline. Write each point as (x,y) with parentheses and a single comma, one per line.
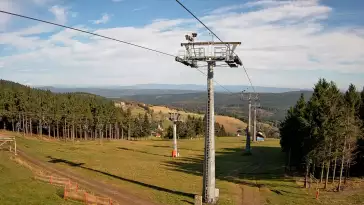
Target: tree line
(67,115)
(85,116)
(324,135)
(194,127)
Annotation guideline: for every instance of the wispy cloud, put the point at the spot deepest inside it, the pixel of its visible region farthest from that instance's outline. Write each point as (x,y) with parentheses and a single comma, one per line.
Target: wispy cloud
(226,9)
(104,19)
(139,9)
(117,0)
(43,2)
(60,13)
(74,14)
(7,5)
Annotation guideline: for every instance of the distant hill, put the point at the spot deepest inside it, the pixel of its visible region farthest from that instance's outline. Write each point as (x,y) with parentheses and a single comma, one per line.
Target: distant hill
(116,92)
(273,105)
(153,89)
(193,87)
(274,101)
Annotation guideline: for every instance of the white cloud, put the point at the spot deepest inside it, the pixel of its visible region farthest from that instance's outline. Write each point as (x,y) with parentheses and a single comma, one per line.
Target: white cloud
(270,3)
(7,5)
(160,24)
(104,19)
(60,13)
(26,7)
(139,9)
(279,40)
(226,9)
(43,2)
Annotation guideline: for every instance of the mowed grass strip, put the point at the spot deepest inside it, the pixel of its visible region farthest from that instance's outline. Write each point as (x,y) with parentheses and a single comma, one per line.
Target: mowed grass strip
(18,187)
(142,167)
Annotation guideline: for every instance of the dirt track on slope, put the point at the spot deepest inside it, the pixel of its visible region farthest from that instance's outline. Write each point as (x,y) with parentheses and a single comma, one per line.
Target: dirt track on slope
(116,193)
(250,196)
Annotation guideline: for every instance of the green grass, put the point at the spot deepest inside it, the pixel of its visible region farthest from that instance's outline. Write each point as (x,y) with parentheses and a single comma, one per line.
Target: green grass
(18,187)
(136,110)
(146,168)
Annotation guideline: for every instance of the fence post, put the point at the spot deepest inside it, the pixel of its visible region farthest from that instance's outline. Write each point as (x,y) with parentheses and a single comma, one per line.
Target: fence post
(65,192)
(50,179)
(110,201)
(198,200)
(76,187)
(85,197)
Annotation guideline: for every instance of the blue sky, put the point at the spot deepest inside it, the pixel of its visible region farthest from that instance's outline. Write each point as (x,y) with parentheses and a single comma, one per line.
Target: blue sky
(284,43)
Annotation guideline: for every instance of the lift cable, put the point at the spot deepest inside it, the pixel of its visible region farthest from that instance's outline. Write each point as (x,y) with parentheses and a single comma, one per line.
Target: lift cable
(102,36)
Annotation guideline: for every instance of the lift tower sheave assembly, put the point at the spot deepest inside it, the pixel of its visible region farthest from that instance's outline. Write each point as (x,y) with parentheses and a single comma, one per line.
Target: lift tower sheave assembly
(209,52)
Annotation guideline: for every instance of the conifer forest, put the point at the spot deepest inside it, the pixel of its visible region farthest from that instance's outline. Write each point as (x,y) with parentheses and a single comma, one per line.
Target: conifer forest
(324,135)
(83,116)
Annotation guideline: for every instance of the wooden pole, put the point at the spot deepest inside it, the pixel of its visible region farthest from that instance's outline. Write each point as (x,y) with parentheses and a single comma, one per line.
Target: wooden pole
(85,197)
(15,147)
(65,192)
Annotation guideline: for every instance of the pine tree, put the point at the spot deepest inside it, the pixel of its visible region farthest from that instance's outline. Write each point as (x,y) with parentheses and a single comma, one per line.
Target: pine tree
(352,131)
(146,126)
(361,107)
(199,127)
(314,132)
(190,127)
(63,115)
(128,122)
(293,132)
(169,133)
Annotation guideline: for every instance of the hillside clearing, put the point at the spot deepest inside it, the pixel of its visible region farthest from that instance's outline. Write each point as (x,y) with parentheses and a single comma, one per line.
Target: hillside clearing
(166,110)
(231,124)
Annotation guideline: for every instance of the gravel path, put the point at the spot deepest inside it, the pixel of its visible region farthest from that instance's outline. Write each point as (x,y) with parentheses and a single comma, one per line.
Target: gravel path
(251,195)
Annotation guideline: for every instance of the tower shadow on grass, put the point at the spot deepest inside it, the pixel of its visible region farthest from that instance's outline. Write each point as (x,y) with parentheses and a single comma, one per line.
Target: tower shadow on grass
(82,165)
(161,146)
(264,167)
(179,148)
(140,151)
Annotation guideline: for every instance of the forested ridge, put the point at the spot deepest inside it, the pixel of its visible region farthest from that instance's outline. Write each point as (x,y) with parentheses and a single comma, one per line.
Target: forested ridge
(324,135)
(273,105)
(80,116)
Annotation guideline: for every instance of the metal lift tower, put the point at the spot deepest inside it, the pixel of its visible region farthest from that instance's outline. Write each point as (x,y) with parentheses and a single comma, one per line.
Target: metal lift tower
(174,117)
(255,106)
(209,52)
(248,97)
